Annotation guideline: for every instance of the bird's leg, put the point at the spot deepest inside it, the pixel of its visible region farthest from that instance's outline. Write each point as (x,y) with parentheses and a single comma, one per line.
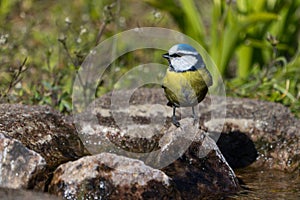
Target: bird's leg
(194,116)
(174,121)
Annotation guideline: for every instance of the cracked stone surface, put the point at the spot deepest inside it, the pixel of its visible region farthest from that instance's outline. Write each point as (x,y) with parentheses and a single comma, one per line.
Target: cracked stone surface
(19,166)
(44,131)
(269,130)
(109,176)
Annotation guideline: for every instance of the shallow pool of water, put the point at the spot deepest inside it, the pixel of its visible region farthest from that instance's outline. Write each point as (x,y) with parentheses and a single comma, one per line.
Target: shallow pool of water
(268,184)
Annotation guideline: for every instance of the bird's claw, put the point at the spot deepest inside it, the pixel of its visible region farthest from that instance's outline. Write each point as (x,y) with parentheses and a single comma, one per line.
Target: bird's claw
(195,122)
(175,122)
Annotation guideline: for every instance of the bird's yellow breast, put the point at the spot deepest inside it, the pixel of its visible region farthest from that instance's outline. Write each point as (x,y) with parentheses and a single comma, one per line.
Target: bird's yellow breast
(186,88)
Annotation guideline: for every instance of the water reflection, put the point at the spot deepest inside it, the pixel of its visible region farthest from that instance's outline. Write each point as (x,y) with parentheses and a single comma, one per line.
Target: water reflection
(268,184)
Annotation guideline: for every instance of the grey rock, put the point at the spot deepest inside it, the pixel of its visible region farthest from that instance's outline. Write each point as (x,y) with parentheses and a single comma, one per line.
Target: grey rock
(271,126)
(263,133)
(19,166)
(108,176)
(182,152)
(177,163)
(43,130)
(201,172)
(135,128)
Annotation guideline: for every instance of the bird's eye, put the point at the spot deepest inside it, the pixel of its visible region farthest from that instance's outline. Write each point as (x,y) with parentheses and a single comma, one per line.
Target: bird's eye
(175,55)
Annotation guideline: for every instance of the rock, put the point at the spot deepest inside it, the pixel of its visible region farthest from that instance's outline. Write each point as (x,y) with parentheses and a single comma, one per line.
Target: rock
(148,157)
(19,166)
(133,128)
(202,171)
(13,194)
(190,158)
(108,176)
(271,126)
(43,130)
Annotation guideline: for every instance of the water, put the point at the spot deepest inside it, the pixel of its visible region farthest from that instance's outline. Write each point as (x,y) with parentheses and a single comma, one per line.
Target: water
(268,184)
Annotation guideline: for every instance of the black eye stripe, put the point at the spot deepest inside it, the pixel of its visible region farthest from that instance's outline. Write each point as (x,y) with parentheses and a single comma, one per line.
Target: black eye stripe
(175,55)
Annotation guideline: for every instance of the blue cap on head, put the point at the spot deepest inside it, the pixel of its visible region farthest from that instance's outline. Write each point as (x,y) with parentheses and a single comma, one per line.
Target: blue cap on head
(185,47)
(184,57)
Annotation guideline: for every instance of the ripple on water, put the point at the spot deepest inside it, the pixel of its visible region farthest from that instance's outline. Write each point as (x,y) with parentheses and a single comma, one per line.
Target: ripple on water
(268,184)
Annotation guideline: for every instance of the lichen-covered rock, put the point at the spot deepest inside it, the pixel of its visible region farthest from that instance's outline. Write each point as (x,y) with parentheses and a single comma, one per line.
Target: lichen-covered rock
(135,128)
(108,176)
(181,152)
(19,166)
(271,126)
(43,130)
(178,163)
(202,171)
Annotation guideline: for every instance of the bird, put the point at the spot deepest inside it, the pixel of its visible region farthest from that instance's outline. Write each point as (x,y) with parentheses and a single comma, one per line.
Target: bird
(187,79)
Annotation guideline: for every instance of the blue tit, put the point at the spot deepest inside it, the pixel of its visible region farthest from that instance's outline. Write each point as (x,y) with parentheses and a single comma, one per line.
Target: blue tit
(187,79)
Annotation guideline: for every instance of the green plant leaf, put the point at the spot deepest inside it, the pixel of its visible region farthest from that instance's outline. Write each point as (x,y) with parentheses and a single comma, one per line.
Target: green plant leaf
(231,35)
(194,19)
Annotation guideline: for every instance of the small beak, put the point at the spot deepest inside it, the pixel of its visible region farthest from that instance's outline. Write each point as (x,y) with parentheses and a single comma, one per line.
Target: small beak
(166,55)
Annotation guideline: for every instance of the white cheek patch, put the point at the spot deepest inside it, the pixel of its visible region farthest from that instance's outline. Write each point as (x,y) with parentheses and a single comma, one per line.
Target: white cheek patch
(183,63)
(190,60)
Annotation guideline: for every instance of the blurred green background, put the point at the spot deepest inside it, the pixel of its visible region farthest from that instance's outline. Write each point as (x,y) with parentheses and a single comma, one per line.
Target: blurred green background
(254,43)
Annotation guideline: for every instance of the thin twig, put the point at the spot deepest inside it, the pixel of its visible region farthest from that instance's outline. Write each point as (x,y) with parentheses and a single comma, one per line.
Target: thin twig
(101,31)
(108,17)
(63,41)
(16,77)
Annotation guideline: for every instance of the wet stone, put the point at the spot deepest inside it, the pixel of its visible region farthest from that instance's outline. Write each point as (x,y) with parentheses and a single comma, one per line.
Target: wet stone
(148,157)
(272,128)
(176,151)
(201,171)
(269,131)
(256,133)
(109,176)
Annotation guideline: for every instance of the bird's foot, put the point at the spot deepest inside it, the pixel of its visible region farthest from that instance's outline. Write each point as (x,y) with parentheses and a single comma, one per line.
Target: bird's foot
(196,121)
(175,122)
